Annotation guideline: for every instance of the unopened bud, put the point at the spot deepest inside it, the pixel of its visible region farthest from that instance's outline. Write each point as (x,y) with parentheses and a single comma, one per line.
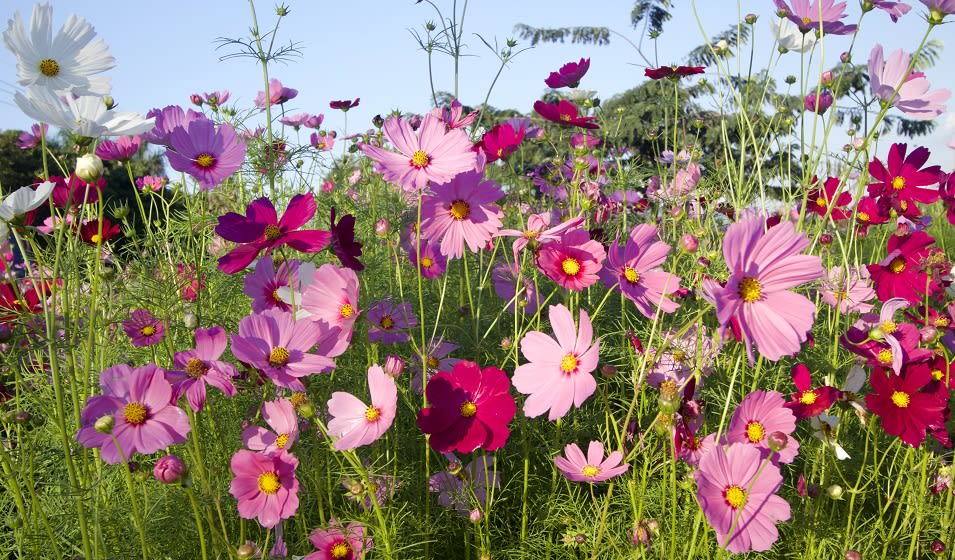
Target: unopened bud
(196,99)
(377,121)
(394,365)
(751,18)
(669,400)
(845,58)
(247,550)
(835,492)
(189,320)
(689,243)
(109,102)
(938,547)
(475,516)
(825,239)
(169,469)
(790,79)
(306,410)
(853,555)
(382,228)
(608,370)
(777,441)
(89,167)
(104,424)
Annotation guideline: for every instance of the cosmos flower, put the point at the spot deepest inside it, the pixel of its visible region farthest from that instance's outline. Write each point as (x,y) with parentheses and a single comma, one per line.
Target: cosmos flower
(909,403)
(821,197)
(505,280)
(207,153)
(433,263)
(330,297)
(636,269)
(573,260)
(166,120)
(902,181)
(342,242)
(576,467)
(280,416)
(823,429)
(264,284)
(265,486)
(789,37)
(821,14)
(145,418)
(501,141)
(344,105)
(340,541)
(559,370)
(894,9)
(390,322)
(672,72)
(564,113)
(31,139)
(123,149)
(322,142)
(569,74)
(461,211)
(453,115)
(678,358)
(143,328)
(847,291)
(436,359)
(86,115)
(278,94)
(758,415)
(465,489)
(938,9)
(908,92)
(808,401)
(21,201)
(201,366)
(356,424)
(97,232)
(537,233)
(900,273)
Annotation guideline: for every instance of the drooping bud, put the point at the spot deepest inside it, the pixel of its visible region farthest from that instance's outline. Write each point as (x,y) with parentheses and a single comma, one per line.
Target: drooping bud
(196,99)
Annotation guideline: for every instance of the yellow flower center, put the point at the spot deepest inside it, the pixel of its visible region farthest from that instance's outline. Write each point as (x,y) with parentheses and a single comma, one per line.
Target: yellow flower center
(863,216)
(884,356)
(901,399)
(888,327)
(281,441)
(298,398)
(387,322)
(468,409)
(806,21)
(346,311)
(735,497)
(340,550)
(49,67)
(420,159)
(372,413)
(148,330)
(937,374)
(821,202)
(808,397)
(568,364)
(278,357)
(135,413)
(269,482)
(679,355)
(272,232)
(96,238)
(570,266)
(897,265)
(941,322)
(590,471)
(755,431)
(426,262)
(749,289)
(631,275)
(565,117)
(205,160)
(460,210)
(196,368)
(840,295)
(433,362)
(500,152)
(898,183)
(276,297)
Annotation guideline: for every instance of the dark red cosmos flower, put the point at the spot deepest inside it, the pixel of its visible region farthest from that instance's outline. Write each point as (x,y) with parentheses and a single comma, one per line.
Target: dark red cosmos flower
(501,141)
(942,371)
(261,230)
(901,183)
(470,409)
(564,113)
(343,242)
(946,190)
(14,302)
(909,403)
(569,74)
(822,197)
(809,402)
(92,233)
(344,105)
(901,273)
(73,191)
(673,72)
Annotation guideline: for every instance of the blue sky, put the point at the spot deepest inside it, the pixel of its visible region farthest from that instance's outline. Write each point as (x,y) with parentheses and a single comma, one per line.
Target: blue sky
(364,48)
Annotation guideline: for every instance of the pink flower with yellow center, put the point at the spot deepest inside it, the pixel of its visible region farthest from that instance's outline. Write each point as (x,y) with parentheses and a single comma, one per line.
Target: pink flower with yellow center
(759,414)
(576,467)
(461,211)
(201,366)
(356,424)
(265,486)
(573,260)
(280,416)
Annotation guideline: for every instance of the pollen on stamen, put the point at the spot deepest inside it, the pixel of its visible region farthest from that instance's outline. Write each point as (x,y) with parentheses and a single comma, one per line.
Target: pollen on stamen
(570,266)
(755,432)
(569,363)
(49,67)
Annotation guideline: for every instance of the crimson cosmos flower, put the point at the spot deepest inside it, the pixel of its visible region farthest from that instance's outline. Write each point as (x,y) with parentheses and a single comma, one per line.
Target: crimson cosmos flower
(672,72)
(823,196)
(808,402)
(909,404)
(902,181)
(343,242)
(569,74)
(344,105)
(500,142)
(900,274)
(564,113)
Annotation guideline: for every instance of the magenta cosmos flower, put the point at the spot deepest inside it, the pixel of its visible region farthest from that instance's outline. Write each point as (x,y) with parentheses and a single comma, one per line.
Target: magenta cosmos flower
(265,486)
(278,94)
(569,74)
(907,92)
(143,329)
(356,424)
(470,409)
(900,273)
(167,120)
(201,366)
(209,153)
(280,416)
(501,141)
(903,181)
(265,284)
(636,269)
(140,401)
(821,13)
(344,104)
(390,322)
(261,230)
(809,402)
(461,211)
(122,149)
(274,342)
(909,404)
(340,542)
(759,414)
(590,468)
(559,372)
(564,113)
(738,496)
(763,266)
(436,154)
(573,261)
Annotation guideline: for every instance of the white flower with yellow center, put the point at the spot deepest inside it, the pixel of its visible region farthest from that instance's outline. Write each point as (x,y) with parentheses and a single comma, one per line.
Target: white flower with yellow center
(67,62)
(86,115)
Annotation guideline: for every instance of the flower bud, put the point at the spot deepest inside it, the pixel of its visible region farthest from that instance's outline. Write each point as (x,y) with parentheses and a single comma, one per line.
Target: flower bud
(825,239)
(377,121)
(109,102)
(608,370)
(853,555)
(790,79)
(827,78)
(104,424)
(247,550)
(394,365)
(382,228)
(475,516)
(938,547)
(670,398)
(169,469)
(845,58)
(777,441)
(689,243)
(306,410)
(506,343)
(835,492)
(89,167)
(189,320)
(819,104)
(22,417)
(751,18)
(196,99)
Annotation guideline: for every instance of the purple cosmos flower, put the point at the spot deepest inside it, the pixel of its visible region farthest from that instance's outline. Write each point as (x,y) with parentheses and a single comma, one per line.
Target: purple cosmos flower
(278,94)
(264,284)
(637,269)
(390,322)
(141,405)
(216,98)
(197,367)
(303,119)
(436,360)
(261,230)
(738,496)
(169,469)
(209,154)
(274,342)
(167,120)
(31,139)
(344,105)
(592,468)
(322,142)
(433,262)
(459,487)
(569,74)
(143,328)
(504,277)
(462,211)
(265,486)
(122,149)
(356,424)
(758,415)
(938,9)
(894,9)
(808,17)
(912,96)
(280,416)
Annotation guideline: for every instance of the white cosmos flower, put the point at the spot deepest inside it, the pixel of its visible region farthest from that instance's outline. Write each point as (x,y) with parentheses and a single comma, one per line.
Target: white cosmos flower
(22,201)
(824,429)
(788,35)
(86,115)
(67,62)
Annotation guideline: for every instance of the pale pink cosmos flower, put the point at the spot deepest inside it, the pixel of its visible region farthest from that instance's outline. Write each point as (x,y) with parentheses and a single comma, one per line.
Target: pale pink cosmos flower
(356,424)
(280,416)
(636,269)
(461,211)
(537,232)
(330,297)
(847,291)
(913,97)
(265,486)
(340,541)
(559,372)
(678,358)
(576,467)
(277,95)
(202,366)
(436,154)
(573,261)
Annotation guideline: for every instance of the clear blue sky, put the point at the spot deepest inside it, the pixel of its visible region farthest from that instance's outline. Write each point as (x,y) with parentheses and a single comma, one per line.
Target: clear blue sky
(363,48)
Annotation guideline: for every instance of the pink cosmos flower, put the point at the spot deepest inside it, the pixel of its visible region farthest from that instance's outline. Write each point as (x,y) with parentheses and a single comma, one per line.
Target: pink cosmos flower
(151,183)
(122,149)
(894,9)
(264,285)
(461,211)
(763,266)
(265,486)
(330,297)
(140,402)
(302,119)
(261,230)
(208,153)
(435,155)
(907,92)
(340,541)
(820,103)
(453,115)
(465,489)
(637,269)
(167,120)
(759,414)
(274,342)
(505,279)
(356,424)
(433,263)
(390,322)
(322,142)
(592,468)
(537,233)
(738,496)
(559,372)
(847,291)
(278,94)
(573,261)
(201,366)
(143,329)
(808,17)
(280,416)
(569,74)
